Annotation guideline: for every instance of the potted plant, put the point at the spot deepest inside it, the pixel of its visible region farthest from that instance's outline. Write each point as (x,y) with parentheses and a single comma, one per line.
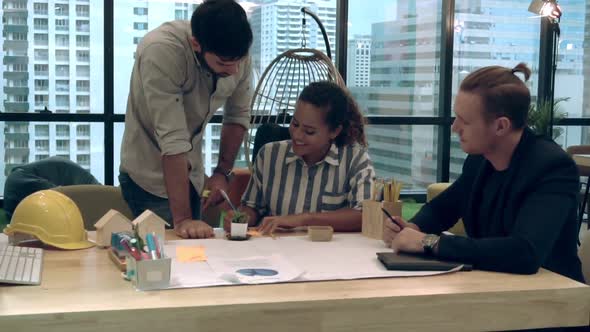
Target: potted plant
(539,118)
(239,224)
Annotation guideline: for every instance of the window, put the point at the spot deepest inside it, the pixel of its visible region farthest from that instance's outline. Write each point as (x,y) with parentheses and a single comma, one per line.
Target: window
(42,145)
(62,9)
(83,56)
(40,39)
(41,157)
(41,100)
(41,55)
(41,130)
(62,130)
(62,70)
(41,85)
(62,101)
(40,24)
(140,11)
(40,8)
(62,55)
(140,26)
(83,130)
(83,160)
(62,40)
(82,101)
(62,24)
(83,145)
(83,41)
(82,71)
(136,40)
(83,10)
(83,26)
(62,85)
(180,14)
(62,145)
(41,70)
(82,86)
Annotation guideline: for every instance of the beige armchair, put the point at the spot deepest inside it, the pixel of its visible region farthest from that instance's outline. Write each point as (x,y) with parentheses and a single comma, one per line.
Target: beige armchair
(95,200)
(435,189)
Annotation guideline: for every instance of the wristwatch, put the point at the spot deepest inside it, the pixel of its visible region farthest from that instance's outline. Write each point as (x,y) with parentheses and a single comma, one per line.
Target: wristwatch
(226,173)
(430,243)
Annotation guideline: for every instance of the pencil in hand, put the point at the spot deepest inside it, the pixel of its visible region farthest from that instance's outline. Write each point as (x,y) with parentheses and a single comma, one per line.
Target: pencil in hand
(393,219)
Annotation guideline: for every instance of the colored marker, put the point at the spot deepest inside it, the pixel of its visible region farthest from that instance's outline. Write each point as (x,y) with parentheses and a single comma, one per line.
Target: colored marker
(151,246)
(130,249)
(157,245)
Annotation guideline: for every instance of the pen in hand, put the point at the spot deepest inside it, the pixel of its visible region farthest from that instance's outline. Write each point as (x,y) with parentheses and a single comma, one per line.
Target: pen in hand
(392,219)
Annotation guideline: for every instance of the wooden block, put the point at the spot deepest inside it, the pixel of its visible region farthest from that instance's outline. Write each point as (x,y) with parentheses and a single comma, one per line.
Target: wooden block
(119,262)
(149,222)
(320,233)
(374,219)
(112,222)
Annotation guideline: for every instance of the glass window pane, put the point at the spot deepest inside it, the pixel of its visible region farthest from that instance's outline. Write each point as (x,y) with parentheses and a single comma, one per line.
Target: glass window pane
(573,63)
(500,33)
(393,56)
(44,48)
(25,142)
(406,153)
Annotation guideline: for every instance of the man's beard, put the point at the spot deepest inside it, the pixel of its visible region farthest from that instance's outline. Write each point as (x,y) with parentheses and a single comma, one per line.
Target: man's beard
(201,57)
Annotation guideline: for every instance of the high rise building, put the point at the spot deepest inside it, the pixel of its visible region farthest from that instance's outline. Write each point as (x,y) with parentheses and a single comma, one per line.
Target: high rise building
(277,27)
(48,60)
(404,79)
(358,61)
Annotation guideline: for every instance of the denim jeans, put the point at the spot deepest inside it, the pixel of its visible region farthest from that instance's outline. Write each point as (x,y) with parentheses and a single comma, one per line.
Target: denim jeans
(139,200)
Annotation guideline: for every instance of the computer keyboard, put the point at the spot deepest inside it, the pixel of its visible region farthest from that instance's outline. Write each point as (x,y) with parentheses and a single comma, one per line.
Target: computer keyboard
(20,265)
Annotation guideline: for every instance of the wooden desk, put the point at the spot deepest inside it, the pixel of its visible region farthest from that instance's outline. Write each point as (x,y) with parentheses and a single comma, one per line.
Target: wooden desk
(83,291)
(582,159)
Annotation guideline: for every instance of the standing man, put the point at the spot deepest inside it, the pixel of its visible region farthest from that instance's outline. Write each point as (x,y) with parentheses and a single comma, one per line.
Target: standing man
(183,73)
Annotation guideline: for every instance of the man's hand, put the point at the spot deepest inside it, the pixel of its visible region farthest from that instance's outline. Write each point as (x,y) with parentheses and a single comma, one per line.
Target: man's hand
(214,184)
(193,229)
(391,229)
(408,240)
(270,224)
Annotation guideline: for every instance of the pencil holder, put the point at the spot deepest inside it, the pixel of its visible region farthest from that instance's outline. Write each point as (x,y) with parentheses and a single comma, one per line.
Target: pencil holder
(374,219)
(149,274)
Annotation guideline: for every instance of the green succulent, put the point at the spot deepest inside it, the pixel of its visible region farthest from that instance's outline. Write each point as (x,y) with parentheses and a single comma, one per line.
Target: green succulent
(240,218)
(539,118)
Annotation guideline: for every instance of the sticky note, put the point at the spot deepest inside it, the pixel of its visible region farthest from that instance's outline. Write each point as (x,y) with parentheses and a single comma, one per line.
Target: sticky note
(191,254)
(254,233)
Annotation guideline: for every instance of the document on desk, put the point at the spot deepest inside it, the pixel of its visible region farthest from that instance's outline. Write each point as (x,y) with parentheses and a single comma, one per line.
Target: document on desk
(293,258)
(255,270)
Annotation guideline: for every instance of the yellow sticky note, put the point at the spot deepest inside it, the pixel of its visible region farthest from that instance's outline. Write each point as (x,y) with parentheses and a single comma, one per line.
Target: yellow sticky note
(254,233)
(191,254)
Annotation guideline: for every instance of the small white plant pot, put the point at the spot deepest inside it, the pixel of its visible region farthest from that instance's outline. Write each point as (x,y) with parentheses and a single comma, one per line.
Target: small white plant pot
(238,230)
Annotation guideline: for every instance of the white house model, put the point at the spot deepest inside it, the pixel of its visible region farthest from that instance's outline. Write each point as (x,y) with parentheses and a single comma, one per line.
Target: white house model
(112,222)
(149,222)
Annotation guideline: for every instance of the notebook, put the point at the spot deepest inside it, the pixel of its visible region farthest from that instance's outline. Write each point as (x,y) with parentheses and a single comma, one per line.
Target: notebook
(417,262)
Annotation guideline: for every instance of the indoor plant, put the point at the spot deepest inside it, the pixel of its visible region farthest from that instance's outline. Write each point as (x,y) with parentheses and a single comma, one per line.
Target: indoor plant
(239,224)
(539,118)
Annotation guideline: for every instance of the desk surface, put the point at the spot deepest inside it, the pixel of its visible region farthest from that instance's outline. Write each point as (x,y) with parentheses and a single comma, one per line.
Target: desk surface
(582,159)
(83,291)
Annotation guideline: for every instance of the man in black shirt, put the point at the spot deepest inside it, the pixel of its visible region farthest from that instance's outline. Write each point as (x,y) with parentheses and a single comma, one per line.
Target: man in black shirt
(517,193)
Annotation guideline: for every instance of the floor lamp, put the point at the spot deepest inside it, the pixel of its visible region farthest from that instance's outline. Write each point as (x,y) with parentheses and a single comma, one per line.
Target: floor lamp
(550,12)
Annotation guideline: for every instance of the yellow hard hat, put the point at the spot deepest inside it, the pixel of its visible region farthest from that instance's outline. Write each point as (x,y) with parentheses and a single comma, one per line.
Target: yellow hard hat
(53,218)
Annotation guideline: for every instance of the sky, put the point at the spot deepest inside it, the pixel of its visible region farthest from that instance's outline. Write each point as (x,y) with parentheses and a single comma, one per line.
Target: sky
(362,13)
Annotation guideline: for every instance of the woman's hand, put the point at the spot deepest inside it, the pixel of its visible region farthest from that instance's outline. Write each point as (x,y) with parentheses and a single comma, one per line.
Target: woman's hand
(270,224)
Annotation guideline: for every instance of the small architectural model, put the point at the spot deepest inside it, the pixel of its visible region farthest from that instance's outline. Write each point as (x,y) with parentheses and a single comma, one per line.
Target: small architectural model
(149,222)
(112,222)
